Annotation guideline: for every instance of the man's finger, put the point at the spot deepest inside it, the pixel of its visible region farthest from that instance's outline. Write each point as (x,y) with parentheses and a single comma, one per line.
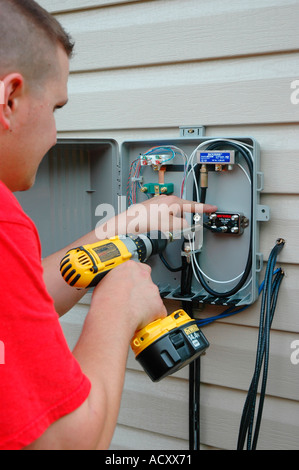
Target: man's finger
(193,207)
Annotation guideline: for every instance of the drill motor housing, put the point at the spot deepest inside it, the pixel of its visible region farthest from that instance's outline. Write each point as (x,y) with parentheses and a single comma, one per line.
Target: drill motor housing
(85,266)
(163,347)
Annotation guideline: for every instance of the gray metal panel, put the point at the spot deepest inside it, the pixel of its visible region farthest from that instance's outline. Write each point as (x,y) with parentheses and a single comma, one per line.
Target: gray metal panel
(223,257)
(78,175)
(74,177)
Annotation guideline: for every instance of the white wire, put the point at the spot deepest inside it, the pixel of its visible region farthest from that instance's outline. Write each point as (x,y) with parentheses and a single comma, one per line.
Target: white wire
(176,151)
(208,142)
(193,255)
(244,171)
(190,162)
(165,148)
(194,261)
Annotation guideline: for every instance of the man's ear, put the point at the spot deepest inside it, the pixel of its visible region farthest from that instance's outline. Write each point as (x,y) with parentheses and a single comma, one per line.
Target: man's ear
(12,88)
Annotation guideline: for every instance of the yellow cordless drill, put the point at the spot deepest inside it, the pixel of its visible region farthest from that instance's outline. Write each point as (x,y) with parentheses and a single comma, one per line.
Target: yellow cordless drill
(162,347)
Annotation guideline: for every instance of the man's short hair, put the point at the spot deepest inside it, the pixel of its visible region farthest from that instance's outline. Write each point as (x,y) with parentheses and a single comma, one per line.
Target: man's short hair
(29,38)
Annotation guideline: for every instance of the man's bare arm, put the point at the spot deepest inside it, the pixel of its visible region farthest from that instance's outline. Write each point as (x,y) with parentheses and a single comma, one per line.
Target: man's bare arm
(102,352)
(138,218)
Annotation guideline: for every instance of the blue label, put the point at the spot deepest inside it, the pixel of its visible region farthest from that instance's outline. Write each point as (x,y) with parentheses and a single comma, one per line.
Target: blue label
(214,157)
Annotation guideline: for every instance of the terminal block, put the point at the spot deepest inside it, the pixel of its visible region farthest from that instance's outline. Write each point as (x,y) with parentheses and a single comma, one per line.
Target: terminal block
(227,222)
(156,189)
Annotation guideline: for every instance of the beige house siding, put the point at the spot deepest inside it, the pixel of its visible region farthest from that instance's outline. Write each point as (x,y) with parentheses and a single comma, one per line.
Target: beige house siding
(140,71)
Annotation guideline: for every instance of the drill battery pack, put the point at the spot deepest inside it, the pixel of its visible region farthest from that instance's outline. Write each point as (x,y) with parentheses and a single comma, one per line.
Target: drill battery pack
(166,346)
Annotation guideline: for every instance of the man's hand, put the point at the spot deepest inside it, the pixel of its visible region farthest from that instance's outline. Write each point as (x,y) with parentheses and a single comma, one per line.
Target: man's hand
(164,213)
(130,290)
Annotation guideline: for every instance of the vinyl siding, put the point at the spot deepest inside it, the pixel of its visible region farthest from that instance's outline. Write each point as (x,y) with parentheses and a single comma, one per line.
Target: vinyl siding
(140,71)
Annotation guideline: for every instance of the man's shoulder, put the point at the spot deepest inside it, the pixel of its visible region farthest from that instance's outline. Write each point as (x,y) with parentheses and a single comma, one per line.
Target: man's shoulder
(10,208)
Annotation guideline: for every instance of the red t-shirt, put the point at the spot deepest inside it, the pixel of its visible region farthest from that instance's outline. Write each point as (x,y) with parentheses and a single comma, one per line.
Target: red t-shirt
(40,380)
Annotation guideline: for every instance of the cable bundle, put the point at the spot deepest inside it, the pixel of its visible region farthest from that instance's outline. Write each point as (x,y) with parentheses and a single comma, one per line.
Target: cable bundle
(198,273)
(270,287)
(135,173)
(133,181)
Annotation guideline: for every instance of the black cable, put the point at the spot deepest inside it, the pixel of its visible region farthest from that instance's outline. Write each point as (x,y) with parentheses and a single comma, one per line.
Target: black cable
(248,266)
(167,265)
(203,195)
(185,278)
(194,404)
(197,378)
(264,356)
(191,408)
(268,306)
(248,414)
(274,297)
(194,394)
(195,366)
(269,300)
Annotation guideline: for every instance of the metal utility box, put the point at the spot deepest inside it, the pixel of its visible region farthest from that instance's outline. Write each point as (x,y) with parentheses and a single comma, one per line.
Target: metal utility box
(78,175)
(73,178)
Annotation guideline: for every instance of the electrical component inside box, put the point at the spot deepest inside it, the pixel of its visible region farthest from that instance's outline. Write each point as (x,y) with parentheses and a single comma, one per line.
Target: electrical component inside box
(221,159)
(223,269)
(222,172)
(158,161)
(225,222)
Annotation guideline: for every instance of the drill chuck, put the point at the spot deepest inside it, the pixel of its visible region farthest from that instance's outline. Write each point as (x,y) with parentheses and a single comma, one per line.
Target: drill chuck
(158,241)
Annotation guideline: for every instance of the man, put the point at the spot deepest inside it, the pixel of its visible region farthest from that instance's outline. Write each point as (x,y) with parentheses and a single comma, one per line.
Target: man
(52,398)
